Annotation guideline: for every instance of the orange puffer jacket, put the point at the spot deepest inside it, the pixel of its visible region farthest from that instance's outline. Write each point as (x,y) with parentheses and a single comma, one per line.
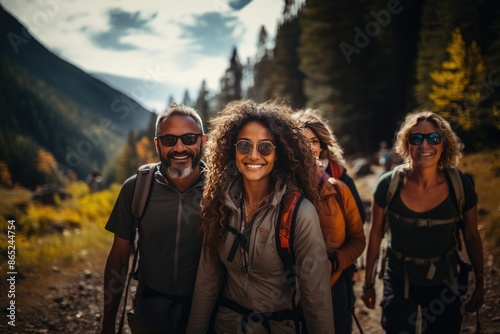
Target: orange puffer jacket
(342,235)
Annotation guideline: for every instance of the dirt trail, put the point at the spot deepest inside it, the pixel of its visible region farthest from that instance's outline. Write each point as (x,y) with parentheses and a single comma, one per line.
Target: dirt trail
(489,314)
(69,300)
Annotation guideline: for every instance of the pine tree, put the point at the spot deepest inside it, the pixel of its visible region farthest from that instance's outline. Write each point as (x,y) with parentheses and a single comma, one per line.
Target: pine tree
(286,79)
(201,104)
(457,92)
(170,100)
(335,79)
(231,81)
(439,19)
(186,100)
(128,160)
(262,43)
(490,20)
(319,24)
(262,68)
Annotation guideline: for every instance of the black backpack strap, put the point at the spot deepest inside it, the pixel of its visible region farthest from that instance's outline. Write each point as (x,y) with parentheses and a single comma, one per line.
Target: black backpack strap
(261,318)
(398,176)
(458,194)
(142,189)
(140,198)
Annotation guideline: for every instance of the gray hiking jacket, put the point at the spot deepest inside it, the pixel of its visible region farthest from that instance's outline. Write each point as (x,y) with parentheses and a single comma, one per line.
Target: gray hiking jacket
(262,288)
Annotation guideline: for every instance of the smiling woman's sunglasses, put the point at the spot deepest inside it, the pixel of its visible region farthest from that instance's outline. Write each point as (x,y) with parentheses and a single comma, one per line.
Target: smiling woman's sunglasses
(433,138)
(264,148)
(187,139)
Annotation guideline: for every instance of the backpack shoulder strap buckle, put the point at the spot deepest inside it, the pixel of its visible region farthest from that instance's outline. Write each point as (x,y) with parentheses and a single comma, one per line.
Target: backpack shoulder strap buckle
(424,222)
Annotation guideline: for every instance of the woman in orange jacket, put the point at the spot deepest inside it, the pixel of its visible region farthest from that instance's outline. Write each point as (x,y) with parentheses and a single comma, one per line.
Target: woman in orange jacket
(340,214)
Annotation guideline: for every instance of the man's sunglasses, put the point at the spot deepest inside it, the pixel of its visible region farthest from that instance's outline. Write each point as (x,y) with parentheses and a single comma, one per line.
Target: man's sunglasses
(433,138)
(264,148)
(187,139)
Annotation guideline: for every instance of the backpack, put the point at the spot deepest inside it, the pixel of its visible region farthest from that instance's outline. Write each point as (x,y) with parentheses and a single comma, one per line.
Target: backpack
(140,198)
(398,175)
(285,231)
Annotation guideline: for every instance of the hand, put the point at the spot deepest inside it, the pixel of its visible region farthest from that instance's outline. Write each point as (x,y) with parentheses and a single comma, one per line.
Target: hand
(369,297)
(476,300)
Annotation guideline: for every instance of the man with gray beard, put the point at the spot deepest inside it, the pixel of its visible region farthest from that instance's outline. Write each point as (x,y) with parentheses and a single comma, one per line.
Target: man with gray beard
(169,243)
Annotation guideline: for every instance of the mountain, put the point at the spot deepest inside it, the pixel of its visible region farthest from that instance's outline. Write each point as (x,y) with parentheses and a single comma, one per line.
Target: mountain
(46,102)
(152,93)
(82,88)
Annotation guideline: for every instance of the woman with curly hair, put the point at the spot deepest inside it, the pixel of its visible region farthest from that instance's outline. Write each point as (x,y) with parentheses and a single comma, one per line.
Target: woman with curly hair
(339,215)
(421,265)
(257,156)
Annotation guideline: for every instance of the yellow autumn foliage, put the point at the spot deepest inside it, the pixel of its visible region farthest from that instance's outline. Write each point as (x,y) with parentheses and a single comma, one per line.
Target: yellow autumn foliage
(60,234)
(456,93)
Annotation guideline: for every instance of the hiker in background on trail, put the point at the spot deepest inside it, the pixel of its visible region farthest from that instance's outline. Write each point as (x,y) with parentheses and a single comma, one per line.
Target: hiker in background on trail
(95,181)
(384,156)
(258,158)
(339,215)
(169,242)
(422,216)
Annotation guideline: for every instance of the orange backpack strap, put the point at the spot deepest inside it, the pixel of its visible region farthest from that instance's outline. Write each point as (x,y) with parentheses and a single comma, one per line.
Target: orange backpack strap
(287,220)
(336,170)
(286,229)
(284,244)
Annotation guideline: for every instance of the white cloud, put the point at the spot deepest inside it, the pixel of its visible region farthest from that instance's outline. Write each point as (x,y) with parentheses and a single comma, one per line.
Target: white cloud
(154,38)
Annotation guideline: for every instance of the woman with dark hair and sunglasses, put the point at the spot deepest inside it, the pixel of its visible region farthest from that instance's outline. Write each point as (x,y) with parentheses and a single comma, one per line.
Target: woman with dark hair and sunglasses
(421,264)
(340,215)
(257,156)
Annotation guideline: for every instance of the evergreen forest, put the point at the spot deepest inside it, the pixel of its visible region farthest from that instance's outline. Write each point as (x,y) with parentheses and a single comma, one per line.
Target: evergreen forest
(363,64)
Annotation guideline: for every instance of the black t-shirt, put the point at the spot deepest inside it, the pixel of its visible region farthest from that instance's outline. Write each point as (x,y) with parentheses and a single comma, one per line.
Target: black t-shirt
(423,242)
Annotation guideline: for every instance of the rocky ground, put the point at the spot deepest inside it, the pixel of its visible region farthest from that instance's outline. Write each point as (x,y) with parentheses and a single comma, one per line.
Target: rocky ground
(69,299)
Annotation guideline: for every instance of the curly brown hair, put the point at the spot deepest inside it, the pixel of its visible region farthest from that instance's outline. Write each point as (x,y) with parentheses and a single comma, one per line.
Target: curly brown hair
(451,143)
(330,148)
(294,168)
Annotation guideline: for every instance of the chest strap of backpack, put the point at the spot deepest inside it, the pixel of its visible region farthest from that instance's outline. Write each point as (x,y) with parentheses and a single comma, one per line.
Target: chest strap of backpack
(285,232)
(423,222)
(259,318)
(424,262)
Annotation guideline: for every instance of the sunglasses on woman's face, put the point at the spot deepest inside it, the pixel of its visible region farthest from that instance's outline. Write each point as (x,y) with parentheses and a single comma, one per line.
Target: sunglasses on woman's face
(433,138)
(264,148)
(187,139)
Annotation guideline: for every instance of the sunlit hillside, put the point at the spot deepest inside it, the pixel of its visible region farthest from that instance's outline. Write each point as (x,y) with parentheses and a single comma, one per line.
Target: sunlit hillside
(55,235)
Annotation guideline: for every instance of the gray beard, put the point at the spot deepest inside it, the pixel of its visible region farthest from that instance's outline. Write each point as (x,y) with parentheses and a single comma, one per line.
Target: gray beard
(179,173)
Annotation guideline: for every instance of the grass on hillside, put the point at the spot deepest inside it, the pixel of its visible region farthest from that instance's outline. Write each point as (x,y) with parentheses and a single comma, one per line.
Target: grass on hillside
(485,168)
(47,235)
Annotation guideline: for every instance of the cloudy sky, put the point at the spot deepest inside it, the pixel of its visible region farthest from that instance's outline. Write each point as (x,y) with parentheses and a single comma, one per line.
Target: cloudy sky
(163,46)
